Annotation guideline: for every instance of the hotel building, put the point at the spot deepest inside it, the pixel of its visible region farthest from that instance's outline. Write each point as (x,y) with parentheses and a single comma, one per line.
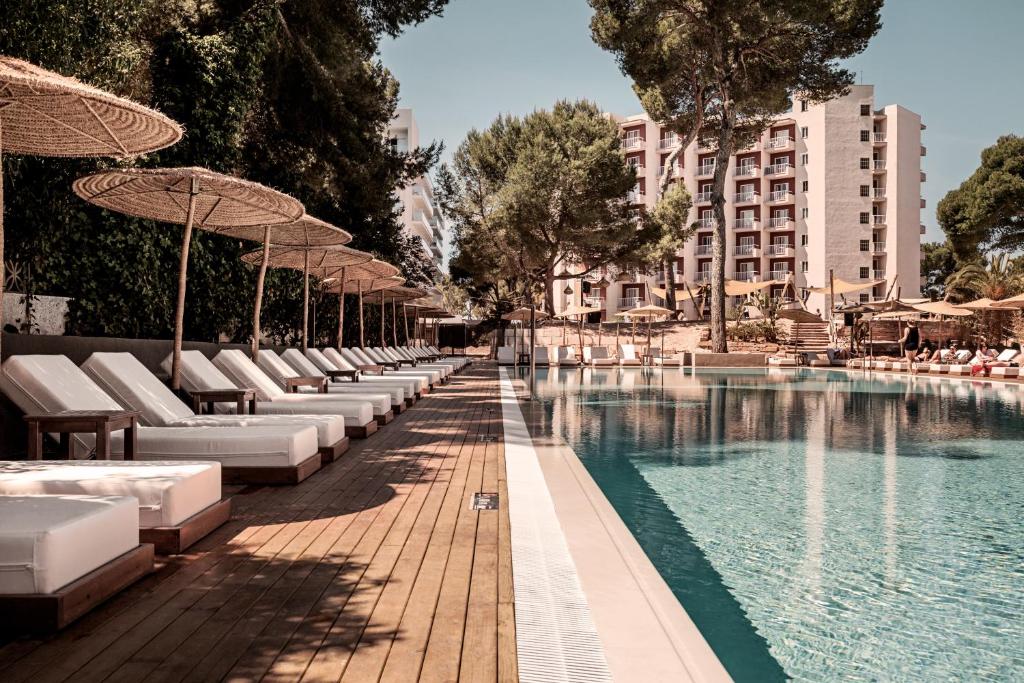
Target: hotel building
(834,187)
(420,215)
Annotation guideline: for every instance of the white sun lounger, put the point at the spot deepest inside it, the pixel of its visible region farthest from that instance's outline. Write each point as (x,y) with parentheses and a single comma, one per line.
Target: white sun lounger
(506,356)
(381,357)
(381,398)
(460,361)
(62,555)
(627,355)
(665,361)
(361,361)
(131,384)
(179,502)
(457,362)
(304,365)
(567,355)
(284,454)
(598,356)
(359,420)
(392,354)
(329,360)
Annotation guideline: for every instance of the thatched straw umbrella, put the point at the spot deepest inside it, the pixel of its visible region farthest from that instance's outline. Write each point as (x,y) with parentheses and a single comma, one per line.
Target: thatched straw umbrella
(311,260)
(45,114)
(359,279)
(576,310)
(193,197)
(393,295)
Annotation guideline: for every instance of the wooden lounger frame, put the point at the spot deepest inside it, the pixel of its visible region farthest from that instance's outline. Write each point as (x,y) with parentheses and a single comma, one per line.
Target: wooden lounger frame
(329,454)
(272,476)
(171,540)
(53,611)
(363,431)
(385,418)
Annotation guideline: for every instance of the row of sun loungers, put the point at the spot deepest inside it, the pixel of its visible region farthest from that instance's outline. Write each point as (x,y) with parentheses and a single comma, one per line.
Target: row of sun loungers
(593,356)
(956,364)
(78,531)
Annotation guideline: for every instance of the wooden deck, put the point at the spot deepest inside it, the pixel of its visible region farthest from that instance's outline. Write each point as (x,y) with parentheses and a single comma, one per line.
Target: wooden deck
(373,569)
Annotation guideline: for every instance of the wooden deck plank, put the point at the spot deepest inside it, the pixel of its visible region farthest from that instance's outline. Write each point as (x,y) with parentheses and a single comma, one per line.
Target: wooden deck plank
(375,568)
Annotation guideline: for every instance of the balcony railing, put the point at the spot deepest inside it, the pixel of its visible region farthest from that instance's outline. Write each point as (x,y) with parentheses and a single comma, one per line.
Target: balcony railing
(702,250)
(877,274)
(668,143)
(746,224)
(878,137)
(779,142)
(748,170)
(632,143)
(924,151)
(637,168)
(747,276)
(780,196)
(630,302)
(702,276)
(594,301)
(779,168)
(878,247)
(706,223)
(878,164)
(878,219)
(746,197)
(878,192)
(780,249)
(703,197)
(780,222)
(706,169)
(746,250)
(775,274)
(635,197)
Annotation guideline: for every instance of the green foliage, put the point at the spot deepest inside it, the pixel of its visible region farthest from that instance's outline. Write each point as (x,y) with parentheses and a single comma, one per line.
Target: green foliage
(937,265)
(768,306)
(987,210)
(529,196)
(723,69)
(288,94)
(995,279)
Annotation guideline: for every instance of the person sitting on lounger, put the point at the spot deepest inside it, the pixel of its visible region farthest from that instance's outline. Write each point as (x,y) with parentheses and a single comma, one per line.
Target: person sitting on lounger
(924,353)
(983,358)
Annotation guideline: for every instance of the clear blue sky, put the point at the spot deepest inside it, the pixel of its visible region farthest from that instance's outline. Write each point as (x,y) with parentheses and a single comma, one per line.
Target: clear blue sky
(958,64)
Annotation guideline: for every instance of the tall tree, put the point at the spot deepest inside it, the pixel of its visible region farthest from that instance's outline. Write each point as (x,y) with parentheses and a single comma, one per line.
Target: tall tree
(937,265)
(669,218)
(987,210)
(726,68)
(536,194)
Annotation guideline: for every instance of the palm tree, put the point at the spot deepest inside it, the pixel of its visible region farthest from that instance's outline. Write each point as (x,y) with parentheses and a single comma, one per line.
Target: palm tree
(998,279)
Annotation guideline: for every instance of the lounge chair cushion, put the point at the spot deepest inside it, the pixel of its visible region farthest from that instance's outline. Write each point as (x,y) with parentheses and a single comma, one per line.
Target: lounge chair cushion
(168,492)
(421,382)
(398,390)
(237,367)
(1007,355)
(51,541)
(198,373)
(1005,371)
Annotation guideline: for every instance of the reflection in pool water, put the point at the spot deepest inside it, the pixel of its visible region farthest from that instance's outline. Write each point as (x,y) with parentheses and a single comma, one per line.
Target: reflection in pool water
(818,525)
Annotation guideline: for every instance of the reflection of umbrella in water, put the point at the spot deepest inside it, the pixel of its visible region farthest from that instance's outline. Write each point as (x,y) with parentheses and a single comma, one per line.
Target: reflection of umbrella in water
(193,197)
(308,258)
(358,279)
(45,114)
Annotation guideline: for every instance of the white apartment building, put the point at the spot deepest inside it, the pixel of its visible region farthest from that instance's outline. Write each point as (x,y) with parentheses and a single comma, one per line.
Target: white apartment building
(420,215)
(832,186)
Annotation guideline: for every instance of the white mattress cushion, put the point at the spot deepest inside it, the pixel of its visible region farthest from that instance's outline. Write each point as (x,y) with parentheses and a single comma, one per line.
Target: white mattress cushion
(332,360)
(300,363)
(341,361)
(330,429)
(276,368)
(355,413)
(378,403)
(198,373)
(168,493)
(47,542)
(244,373)
(126,379)
(393,393)
(258,446)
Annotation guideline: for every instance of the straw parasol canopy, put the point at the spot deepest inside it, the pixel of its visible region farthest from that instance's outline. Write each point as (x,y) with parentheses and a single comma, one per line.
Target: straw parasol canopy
(193,197)
(1010,302)
(45,114)
(312,256)
(523,314)
(369,276)
(982,304)
(394,295)
(943,308)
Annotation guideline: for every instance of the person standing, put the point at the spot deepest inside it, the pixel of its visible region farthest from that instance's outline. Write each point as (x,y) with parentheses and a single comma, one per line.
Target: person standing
(910,341)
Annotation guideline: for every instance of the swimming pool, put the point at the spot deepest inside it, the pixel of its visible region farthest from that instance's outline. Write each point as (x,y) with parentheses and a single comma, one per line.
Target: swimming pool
(818,525)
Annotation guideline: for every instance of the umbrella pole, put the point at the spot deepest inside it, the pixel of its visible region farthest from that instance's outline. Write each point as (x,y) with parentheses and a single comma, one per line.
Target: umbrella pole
(305,300)
(405,322)
(362,340)
(394,322)
(382,341)
(533,347)
(341,311)
(179,313)
(258,306)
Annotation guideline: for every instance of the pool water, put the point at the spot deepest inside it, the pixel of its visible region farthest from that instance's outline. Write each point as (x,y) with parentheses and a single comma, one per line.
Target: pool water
(818,525)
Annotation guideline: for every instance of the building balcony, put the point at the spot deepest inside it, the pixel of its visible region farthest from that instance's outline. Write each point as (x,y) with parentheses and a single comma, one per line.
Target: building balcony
(702,276)
(748,171)
(435,249)
(594,301)
(924,151)
(668,142)
(924,177)
(706,224)
(779,169)
(751,250)
(780,249)
(780,223)
(878,247)
(702,250)
(924,202)
(878,219)
(878,193)
(877,274)
(639,169)
(878,138)
(746,224)
(780,142)
(627,302)
(677,171)
(746,198)
(780,197)
(747,276)
(923,230)
(705,170)
(702,198)
(636,197)
(632,143)
(878,164)
(779,273)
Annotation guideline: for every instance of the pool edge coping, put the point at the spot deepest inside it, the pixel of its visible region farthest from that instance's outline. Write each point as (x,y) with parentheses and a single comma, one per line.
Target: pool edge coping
(598,538)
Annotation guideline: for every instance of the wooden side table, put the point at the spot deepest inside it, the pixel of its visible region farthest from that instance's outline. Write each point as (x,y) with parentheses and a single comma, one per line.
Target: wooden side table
(98,422)
(375,369)
(238,396)
(292,384)
(335,375)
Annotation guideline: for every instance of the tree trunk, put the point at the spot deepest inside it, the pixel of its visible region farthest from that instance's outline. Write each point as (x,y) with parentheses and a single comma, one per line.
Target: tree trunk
(549,290)
(258,304)
(670,286)
(725,135)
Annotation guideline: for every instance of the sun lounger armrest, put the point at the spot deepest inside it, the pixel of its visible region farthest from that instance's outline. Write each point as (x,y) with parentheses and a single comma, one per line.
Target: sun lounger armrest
(335,375)
(292,384)
(375,369)
(237,396)
(407,361)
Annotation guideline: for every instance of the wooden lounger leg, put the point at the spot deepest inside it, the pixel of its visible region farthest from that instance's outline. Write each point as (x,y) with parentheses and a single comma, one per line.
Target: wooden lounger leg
(362,431)
(385,418)
(271,476)
(171,540)
(329,454)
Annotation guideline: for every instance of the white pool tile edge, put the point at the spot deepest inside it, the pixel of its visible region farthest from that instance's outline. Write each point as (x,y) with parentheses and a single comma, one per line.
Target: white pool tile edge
(645,633)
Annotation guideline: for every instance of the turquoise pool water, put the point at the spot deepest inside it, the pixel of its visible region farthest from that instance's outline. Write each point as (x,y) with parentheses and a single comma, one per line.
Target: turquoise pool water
(818,526)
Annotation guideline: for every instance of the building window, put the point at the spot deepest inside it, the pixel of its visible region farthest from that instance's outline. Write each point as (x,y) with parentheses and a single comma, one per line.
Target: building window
(865,272)
(865,245)
(803,186)
(865,110)
(865,136)
(864,298)
(803,132)
(803,159)
(804,212)
(803,266)
(803,105)
(865,163)
(865,217)
(865,190)
(803,240)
